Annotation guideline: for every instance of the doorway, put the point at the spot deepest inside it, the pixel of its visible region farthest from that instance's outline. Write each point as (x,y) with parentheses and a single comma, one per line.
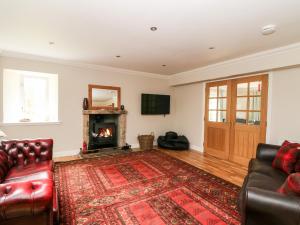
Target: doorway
(236,117)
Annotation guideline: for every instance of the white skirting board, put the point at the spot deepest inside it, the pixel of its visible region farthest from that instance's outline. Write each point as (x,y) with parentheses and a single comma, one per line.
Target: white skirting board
(76,151)
(66,153)
(196,148)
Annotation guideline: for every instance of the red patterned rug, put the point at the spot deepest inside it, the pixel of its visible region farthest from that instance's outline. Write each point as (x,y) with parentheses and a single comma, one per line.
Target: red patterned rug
(148,188)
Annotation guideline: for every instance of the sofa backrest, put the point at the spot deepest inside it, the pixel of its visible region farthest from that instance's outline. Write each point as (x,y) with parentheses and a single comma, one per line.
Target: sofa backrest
(24,152)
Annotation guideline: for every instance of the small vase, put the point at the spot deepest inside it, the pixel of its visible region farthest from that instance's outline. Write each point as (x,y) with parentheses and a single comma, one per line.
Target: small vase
(122,107)
(85,104)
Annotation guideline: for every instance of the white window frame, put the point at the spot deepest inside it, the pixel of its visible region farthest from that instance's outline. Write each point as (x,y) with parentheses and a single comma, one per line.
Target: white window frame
(24,75)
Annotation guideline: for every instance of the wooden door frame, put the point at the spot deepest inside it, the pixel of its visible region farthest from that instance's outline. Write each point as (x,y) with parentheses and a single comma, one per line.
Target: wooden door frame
(230,117)
(217,124)
(264,107)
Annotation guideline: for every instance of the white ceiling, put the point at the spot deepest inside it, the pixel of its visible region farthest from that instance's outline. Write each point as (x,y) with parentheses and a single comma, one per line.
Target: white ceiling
(95,31)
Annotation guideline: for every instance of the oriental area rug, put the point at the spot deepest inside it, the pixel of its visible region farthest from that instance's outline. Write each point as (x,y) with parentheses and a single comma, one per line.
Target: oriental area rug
(147,188)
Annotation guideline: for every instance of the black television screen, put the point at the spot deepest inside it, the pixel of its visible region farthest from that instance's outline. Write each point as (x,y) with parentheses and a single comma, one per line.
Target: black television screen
(155,104)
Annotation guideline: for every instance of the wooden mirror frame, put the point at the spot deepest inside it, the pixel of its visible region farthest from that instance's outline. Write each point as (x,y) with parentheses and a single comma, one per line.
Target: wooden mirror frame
(93,86)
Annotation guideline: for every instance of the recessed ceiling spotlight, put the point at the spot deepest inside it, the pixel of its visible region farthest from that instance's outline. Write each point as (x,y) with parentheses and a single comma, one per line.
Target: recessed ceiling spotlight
(118,56)
(163,65)
(153,28)
(51,42)
(269,29)
(211,48)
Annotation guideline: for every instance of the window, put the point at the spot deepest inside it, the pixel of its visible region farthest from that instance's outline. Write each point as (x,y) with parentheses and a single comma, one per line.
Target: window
(29,97)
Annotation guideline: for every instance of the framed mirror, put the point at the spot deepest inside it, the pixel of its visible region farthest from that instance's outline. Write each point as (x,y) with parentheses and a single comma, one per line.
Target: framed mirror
(104,97)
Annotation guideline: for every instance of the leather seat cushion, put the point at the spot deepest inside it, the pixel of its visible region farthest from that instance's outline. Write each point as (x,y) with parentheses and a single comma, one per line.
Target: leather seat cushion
(25,198)
(43,175)
(265,181)
(29,170)
(265,168)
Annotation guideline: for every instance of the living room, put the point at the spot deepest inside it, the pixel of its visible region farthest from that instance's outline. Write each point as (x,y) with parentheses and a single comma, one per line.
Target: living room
(229,72)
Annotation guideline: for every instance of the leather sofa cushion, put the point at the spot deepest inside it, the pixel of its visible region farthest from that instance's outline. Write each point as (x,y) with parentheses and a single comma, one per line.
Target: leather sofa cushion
(25,198)
(263,181)
(43,175)
(4,165)
(24,152)
(262,175)
(264,167)
(29,170)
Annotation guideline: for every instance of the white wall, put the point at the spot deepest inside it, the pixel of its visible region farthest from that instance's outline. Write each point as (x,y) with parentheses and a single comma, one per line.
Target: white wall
(188,116)
(283,111)
(284,119)
(73,87)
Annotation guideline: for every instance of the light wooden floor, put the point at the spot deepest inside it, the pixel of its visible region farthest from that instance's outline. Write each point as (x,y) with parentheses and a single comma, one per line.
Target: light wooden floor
(226,170)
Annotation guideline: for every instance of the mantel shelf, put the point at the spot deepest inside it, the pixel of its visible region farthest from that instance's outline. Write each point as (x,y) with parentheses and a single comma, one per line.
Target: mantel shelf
(103,111)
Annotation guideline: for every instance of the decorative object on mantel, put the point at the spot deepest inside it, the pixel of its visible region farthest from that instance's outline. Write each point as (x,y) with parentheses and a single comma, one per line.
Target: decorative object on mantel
(104,97)
(146,141)
(85,104)
(122,107)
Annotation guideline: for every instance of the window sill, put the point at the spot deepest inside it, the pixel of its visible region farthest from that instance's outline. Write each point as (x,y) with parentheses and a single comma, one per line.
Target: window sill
(4,124)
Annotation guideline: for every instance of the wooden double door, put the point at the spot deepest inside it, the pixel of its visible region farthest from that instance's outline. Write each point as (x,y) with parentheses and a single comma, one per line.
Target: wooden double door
(236,118)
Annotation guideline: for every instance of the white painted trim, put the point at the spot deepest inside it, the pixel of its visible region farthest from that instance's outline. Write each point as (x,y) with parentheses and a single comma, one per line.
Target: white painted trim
(65,153)
(269,110)
(282,57)
(203,115)
(196,148)
(108,69)
(4,124)
(136,145)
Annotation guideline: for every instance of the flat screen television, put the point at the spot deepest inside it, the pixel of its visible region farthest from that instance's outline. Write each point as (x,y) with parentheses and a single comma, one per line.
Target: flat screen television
(155,104)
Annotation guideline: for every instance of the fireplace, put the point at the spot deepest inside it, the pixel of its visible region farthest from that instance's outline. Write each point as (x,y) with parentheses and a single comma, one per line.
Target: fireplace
(102,135)
(104,129)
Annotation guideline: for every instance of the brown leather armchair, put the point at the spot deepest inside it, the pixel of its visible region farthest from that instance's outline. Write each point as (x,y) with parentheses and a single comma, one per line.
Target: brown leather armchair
(259,201)
(27,190)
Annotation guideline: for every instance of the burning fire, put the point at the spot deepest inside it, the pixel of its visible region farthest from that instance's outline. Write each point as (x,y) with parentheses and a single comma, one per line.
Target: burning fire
(105,132)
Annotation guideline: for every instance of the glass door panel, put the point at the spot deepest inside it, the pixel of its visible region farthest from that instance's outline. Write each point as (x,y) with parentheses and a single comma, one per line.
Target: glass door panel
(242,89)
(241,103)
(213,104)
(255,88)
(222,103)
(254,103)
(212,116)
(217,104)
(248,102)
(213,92)
(223,91)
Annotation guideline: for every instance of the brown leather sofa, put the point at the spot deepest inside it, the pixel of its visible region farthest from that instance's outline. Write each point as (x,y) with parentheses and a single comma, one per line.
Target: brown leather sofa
(259,201)
(27,190)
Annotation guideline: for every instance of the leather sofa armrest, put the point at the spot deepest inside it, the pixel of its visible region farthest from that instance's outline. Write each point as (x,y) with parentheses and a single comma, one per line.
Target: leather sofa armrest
(25,198)
(263,207)
(266,152)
